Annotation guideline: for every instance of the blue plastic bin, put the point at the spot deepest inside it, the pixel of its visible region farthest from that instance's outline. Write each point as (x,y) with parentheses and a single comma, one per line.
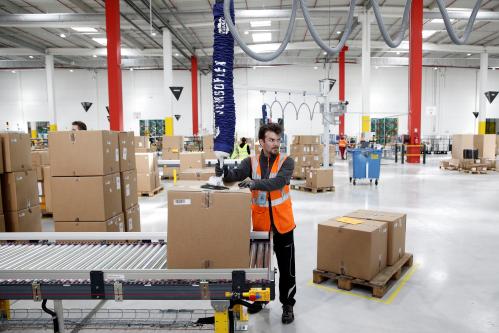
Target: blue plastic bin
(364,164)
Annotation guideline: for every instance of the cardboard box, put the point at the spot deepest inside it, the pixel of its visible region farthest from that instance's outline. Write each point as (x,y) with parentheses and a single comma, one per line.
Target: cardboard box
(317,149)
(47,188)
(319,178)
(126,146)
(208,229)
(497,144)
(96,198)
(84,153)
(461,142)
(170,155)
(157,179)
(209,154)
(208,142)
(39,173)
(40,157)
(299,149)
(396,223)
(300,172)
(197,174)
(114,224)
(2,223)
(132,219)
(306,139)
(191,160)
(16,149)
(486,145)
(173,142)
(146,182)
(168,171)
(313,161)
(146,162)
(26,220)
(1,156)
(20,190)
(129,196)
(356,250)
(142,142)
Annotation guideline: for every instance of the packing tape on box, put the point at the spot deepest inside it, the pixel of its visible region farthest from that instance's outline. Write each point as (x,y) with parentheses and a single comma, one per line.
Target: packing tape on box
(349,220)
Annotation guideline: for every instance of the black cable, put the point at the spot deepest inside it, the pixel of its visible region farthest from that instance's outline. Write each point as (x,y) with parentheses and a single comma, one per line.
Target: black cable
(53,315)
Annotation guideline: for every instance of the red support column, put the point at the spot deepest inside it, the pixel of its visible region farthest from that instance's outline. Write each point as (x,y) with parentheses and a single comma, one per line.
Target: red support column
(341,66)
(194,80)
(415,80)
(114,64)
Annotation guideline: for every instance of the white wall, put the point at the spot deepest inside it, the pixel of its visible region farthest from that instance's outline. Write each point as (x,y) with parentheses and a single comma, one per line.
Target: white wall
(452,91)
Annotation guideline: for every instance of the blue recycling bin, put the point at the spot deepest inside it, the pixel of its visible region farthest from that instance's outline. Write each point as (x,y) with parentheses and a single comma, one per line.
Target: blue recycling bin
(364,163)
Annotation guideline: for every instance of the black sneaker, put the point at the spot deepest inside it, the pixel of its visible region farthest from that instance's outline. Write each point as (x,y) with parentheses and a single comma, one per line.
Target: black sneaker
(257,307)
(287,314)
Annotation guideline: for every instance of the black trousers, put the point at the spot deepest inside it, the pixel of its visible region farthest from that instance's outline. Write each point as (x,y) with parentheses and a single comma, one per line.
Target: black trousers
(284,248)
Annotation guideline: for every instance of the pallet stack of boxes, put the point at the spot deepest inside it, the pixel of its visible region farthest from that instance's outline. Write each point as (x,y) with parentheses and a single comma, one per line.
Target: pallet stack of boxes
(86,182)
(41,163)
(128,175)
(361,244)
(20,202)
(192,167)
(172,147)
(306,150)
(473,152)
(147,172)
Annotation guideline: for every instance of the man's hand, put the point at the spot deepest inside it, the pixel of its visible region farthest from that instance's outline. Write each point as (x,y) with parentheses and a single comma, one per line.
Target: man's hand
(219,172)
(247,183)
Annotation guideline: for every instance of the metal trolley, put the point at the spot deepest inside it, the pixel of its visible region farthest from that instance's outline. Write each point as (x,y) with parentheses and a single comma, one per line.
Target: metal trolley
(364,163)
(126,266)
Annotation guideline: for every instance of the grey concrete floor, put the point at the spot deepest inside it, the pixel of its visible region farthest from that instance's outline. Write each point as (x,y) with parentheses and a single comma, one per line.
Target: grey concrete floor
(452,230)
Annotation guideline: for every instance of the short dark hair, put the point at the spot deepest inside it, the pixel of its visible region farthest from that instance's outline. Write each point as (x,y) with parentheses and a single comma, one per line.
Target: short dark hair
(81,125)
(243,140)
(272,127)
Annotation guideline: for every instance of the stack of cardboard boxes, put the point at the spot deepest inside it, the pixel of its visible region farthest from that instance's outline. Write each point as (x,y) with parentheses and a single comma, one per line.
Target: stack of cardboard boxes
(172,147)
(128,175)
(41,163)
(195,219)
(361,244)
(86,182)
(20,204)
(142,144)
(192,167)
(485,146)
(307,151)
(147,172)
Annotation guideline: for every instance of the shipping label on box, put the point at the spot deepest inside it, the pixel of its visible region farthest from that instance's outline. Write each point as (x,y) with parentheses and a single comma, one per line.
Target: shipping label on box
(126,142)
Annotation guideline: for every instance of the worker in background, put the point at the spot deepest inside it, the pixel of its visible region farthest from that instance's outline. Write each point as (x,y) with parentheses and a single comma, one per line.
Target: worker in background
(268,175)
(79,126)
(241,151)
(342,144)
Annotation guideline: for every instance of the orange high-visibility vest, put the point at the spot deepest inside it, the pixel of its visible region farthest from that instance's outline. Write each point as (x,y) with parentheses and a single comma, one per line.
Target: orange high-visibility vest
(282,210)
(342,143)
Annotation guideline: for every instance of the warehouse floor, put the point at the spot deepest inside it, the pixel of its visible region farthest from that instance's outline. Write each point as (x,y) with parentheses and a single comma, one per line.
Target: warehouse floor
(451,230)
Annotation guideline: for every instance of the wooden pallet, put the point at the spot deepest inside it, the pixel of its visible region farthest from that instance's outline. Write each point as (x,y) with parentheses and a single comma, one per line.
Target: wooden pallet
(301,187)
(450,168)
(474,170)
(167,177)
(379,284)
(151,193)
(46,214)
(299,178)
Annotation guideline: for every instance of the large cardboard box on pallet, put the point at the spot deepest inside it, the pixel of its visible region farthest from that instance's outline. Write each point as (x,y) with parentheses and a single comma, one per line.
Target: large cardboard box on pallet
(356,250)
(142,142)
(2,223)
(208,142)
(320,177)
(146,182)
(132,219)
(126,145)
(461,142)
(114,224)
(16,151)
(191,160)
(396,223)
(25,220)
(129,196)
(47,188)
(306,139)
(300,172)
(197,174)
(96,198)
(84,153)
(20,190)
(146,162)
(486,145)
(208,229)
(173,142)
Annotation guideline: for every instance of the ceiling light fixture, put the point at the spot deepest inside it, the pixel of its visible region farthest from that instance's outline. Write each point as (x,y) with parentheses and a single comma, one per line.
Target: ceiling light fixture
(101,41)
(261,37)
(316,68)
(153,33)
(435,68)
(71,70)
(62,35)
(257,24)
(13,72)
(176,54)
(31,57)
(95,55)
(324,53)
(84,29)
(246,32)
(398,52)
(338,32)
(469,54)
(131,69)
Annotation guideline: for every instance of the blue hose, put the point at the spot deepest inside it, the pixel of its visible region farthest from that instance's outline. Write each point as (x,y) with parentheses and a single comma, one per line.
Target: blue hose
(224,108)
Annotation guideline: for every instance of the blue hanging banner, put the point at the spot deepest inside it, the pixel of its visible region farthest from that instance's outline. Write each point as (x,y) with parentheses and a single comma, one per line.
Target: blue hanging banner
(224,108)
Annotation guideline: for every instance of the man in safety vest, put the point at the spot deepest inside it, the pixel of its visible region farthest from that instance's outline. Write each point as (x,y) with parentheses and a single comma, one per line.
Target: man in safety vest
(241,151)
(342,144)
(268,175)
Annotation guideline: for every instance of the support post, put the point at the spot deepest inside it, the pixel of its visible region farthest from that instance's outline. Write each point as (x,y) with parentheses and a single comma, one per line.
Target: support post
(59,310)
(482,100)
(415,80)
(366,72)
(114,64)
(222,322)
(168,79)
(194,80)
(49,72)
(341,87)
